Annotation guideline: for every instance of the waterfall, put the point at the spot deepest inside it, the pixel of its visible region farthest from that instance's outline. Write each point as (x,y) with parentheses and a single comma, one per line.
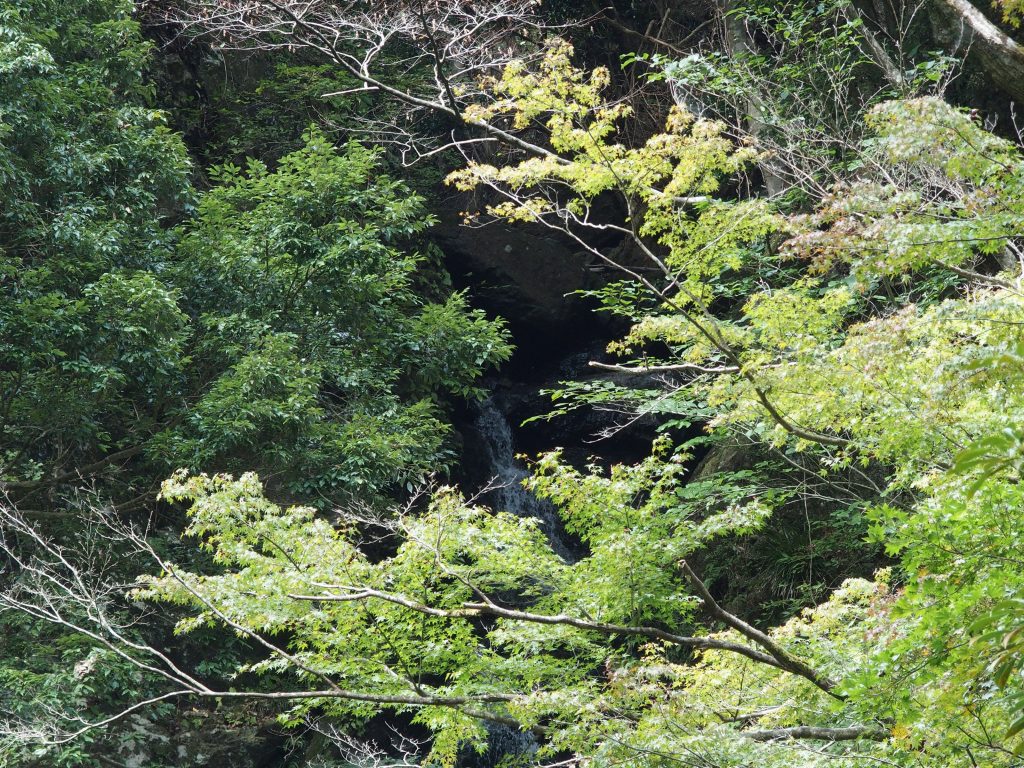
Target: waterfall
(508,474)
(507,747)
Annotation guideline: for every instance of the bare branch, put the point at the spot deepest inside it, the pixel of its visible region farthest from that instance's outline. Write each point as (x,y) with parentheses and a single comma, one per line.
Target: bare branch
(674,368)
(459,43)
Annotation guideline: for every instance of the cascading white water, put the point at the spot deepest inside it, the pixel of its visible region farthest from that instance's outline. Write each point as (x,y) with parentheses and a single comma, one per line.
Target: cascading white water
(507,747)
(508,474)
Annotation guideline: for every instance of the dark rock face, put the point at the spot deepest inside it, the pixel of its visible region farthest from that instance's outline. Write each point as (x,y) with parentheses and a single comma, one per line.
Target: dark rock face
(522,273)
(528,273)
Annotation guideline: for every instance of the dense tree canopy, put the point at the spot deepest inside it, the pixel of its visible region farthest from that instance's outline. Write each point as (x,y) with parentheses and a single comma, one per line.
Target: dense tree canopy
(288,313)
(806,231)
(292,320)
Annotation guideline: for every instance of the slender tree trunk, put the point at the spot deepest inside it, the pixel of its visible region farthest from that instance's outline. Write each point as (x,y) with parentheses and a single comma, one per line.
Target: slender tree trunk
(739,42)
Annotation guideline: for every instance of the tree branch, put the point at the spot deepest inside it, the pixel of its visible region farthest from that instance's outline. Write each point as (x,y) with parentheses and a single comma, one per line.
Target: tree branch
(459,702)
(470,610)
(876,51)
(972,275)
(677,367)
(1000,55)
(76,474)
(785,660)
(817,733)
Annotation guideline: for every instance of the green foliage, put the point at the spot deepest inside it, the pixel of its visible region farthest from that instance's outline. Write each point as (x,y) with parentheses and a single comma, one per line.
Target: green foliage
(638,523)
(288,323)
(840,362)
(796,75)
(1012,11)
(89,330)
(689,158)
(93,338)
(260,106)
(404,625)
(314,344)
(950,208)
(1000,629)
(871,347)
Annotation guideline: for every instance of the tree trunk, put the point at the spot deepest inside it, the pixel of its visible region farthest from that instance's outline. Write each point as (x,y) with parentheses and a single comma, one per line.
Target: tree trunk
(739,42)
(996,52)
